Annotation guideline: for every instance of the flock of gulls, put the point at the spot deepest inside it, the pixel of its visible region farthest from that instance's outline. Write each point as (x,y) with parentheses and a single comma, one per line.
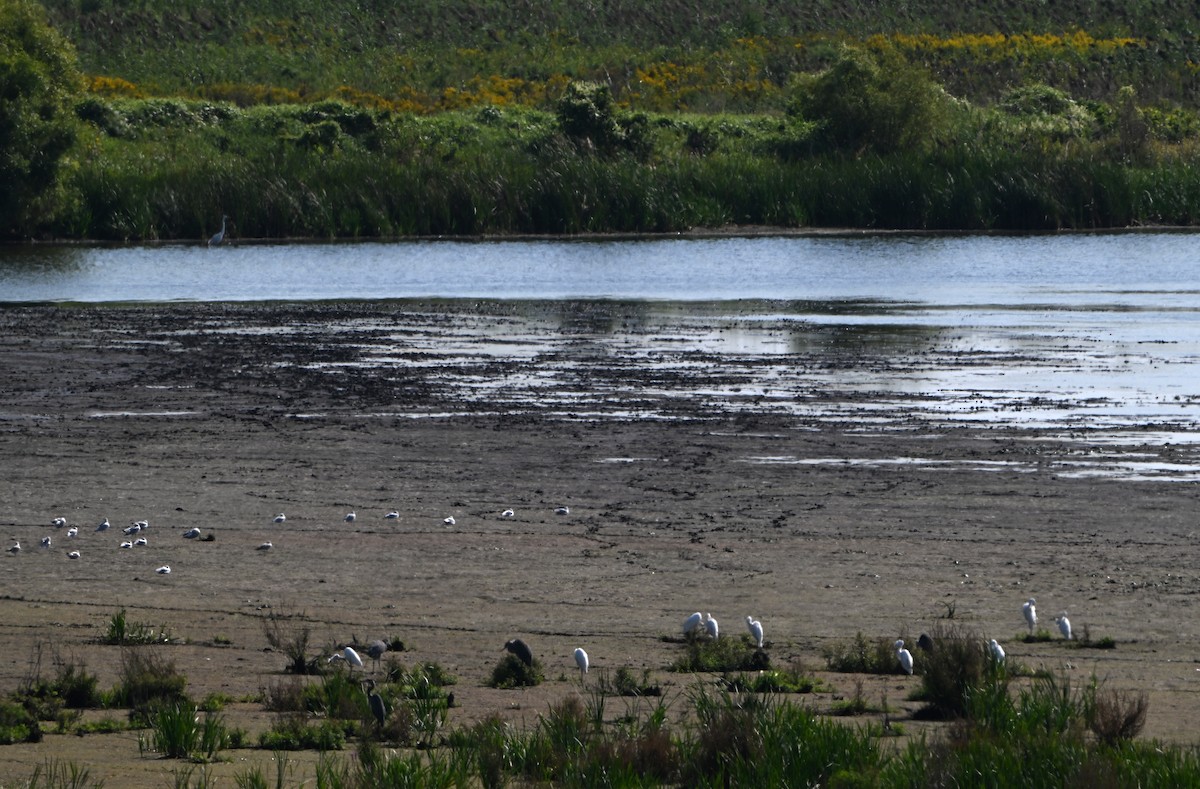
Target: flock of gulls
(695,625)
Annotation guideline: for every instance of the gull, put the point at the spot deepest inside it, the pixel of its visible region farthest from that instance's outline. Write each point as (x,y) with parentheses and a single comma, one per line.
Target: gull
(391,516)
(266,546)
(191,533)
(73,555)
(280,518)
(140,541)
(449,521)
(15,548)
(164,570)
(350,516)
(134,529)
(104,525)
(562,510)
(126,544)
(59,522)
(508,513)
(73,532)
(46,541)
(142,524)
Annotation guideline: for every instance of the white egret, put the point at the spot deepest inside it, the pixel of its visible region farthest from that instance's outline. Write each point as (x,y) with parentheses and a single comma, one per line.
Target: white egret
(73,531)
(449,521)
(350,656)
(519,648)
(393,515)
(73,555)
(46,541)
(266,546)
(59,522)
(756,630)
(693,623)
(508,513)
(140,541)
(164,570)
(350,516)
(104,525)
(280,518)
(997,651)
(191,533)
(711,626)
(219,236)
(1030,612)
(15,548)
(905,657)
(581,660)
(562,511)
(1064,625)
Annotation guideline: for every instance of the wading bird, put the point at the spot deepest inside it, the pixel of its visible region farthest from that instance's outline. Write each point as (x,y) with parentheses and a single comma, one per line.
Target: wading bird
(1064,625)
(378,707)
(519,648)
(581,660)
(711,626)
(349,655)
(376,650)
(1030,612)
(925,642)
(905,657)
(756,630)
(219,236)
(693,623)
(997,651)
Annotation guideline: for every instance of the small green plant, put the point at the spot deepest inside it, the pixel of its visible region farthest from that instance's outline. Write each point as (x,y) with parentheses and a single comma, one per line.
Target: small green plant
(255,778)
(625,683)
(292,732)
(292,639)
(54,774)
(512,672)
(721,655)
(180,733)
(122,632)
(862,656)
(147,678)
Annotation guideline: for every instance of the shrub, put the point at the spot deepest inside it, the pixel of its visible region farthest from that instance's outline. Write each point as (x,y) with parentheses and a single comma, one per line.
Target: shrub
(293,733)
(957,666)
(722,654)
(147,679)
(180,733)
(122,632)
(1116,716)
(862,656)
(291,640)
(512,672)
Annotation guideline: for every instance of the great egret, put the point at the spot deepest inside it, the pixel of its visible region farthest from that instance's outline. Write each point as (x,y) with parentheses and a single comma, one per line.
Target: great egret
(350,656)
(280,518)
(393,515)
(905,657)
(191,533)
(59,522)
(1030,612)
(378,707)
(350,516)
(376,650)
(693,623)
(104,525)
(711,626)
(164,570)
(219,236)
(266,546)
(997,651)
(756,630)
(581,660)
(73,555)
(73,531)
(1064,625)
(508,513)
(519,648)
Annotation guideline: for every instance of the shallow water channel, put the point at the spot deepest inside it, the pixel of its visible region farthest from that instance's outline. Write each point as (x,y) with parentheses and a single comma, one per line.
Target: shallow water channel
(1094,335)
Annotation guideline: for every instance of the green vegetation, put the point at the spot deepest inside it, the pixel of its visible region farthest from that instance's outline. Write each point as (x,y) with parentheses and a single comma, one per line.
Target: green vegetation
(306,119)
(122,632)
(512,672)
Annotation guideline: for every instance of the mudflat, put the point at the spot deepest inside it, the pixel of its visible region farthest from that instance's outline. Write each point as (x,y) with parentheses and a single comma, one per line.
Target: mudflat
(688,490)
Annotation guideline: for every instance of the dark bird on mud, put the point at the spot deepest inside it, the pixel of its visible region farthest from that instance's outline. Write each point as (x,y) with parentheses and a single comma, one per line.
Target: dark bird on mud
(219,236)
(519,648)
(925,642)
(376,649)
(378,707)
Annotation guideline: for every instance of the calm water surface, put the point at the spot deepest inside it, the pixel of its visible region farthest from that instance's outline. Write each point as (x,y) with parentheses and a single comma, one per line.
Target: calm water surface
(1092,333)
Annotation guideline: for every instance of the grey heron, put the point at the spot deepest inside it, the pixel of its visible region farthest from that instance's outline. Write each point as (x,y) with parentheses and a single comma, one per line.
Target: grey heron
(519,648)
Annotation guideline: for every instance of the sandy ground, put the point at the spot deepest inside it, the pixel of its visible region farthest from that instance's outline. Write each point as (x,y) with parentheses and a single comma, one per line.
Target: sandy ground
(219,417)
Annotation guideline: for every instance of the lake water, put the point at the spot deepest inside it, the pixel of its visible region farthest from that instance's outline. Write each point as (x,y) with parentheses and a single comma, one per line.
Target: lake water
(1098,334)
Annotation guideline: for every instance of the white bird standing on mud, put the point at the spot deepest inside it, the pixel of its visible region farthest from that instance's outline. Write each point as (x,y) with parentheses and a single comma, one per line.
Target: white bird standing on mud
(996,650)
(756,630)
(347,654)
(905,657)
(712,627)
(693,623)
(1030,612)
(581,660)
(1064,625)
